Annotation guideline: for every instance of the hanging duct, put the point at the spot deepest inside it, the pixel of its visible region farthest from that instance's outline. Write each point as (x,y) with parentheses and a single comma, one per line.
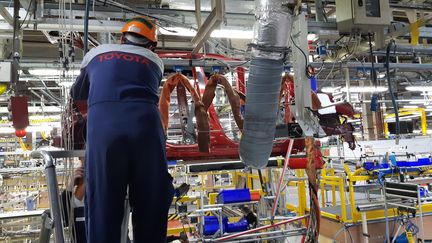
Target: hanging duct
(269,47)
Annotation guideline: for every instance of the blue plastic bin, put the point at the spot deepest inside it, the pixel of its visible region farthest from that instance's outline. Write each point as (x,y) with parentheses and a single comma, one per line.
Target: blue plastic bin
(419,162)
(424,162)
(239,226)
(211,225)
(373,166)
(233,196)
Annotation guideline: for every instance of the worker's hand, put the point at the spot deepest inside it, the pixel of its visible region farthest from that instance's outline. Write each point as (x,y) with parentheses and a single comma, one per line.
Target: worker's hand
(79,189)
(77,41)
(79,176)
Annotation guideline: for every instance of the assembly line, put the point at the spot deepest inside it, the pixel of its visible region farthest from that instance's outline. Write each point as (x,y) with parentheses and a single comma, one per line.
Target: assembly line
(215,121)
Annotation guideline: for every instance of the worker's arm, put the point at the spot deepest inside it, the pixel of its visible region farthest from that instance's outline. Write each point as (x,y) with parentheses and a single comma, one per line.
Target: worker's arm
(80,89)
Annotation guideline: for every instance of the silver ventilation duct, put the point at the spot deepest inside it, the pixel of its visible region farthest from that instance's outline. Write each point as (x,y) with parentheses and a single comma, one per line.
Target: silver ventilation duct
(269,47)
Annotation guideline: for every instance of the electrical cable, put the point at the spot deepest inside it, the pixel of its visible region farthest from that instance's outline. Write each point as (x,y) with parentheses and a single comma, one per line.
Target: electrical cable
(27,13)
(308,74)
(392,95)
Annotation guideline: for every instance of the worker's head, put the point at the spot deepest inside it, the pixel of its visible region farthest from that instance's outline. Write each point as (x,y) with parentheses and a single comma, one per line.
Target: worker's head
(140,31)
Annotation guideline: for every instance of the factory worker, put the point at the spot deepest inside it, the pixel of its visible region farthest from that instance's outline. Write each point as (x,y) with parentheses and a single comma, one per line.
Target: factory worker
(125,139)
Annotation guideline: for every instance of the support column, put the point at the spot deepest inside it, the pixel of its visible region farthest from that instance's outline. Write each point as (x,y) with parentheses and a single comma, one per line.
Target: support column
(367,117)
(348,84)
(319,8)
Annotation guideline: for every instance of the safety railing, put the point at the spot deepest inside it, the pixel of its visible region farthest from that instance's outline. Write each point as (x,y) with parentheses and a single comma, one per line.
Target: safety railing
(53,221)
(410,199)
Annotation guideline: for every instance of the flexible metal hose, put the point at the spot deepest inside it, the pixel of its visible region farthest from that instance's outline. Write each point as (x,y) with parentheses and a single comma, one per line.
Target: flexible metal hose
(262,94)
(271,35)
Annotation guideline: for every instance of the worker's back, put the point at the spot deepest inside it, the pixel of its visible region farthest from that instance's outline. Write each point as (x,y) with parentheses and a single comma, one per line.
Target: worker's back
(117,73)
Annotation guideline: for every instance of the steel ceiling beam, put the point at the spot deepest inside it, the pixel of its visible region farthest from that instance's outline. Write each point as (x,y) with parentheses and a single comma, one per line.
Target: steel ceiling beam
(6,15)
(212,22)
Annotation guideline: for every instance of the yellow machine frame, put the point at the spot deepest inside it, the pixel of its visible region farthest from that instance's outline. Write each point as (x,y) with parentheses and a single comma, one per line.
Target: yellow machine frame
(406,112)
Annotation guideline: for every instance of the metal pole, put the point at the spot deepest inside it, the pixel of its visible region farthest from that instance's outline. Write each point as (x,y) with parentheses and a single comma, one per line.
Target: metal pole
(46,229)
(279,187)
(365,228)
(386,214)
(348,84)
(421,213)
(53,193)
(86,23)
(319,10)
(15,45)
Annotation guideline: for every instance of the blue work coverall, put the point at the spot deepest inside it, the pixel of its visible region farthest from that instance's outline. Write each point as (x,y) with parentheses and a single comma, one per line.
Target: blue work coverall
(125,143)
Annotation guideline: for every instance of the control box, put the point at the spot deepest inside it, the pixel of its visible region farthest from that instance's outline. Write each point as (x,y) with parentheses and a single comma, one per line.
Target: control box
(364,16)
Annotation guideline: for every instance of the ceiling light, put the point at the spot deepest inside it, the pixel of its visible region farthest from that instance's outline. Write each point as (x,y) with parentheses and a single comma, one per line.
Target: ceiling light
(366,89)
(232,34)
(419,88)
(420,102)
(218,33)
(52,72)
(356,89)
(330,89)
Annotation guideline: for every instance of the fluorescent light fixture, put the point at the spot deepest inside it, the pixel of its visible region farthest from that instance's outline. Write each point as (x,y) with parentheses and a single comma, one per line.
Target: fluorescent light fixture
(410,106)
(420,102)
(356,89)
(52,72)
(329,89)
(419,88)
(366,89)
(232,34)
(218,33)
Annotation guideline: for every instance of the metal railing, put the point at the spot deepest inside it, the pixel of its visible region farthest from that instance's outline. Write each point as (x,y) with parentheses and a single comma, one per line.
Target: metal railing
(54,221)
(409,199)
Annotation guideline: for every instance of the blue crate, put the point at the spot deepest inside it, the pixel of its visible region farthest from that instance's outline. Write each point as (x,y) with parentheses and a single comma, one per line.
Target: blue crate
(424,192)
(233,196)
(424,161)
(373,166)
(239,226)
(419,162)
(211,225)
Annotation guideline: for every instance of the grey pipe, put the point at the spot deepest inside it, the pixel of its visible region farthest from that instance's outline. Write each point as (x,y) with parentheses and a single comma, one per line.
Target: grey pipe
(53,193)
(86,24)
(45,233)
(261,108)
(319,11)
(271,34)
